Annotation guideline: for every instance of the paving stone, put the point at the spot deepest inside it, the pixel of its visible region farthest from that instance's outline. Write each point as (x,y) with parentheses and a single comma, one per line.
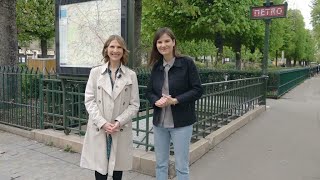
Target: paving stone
(25,159)
(2,177)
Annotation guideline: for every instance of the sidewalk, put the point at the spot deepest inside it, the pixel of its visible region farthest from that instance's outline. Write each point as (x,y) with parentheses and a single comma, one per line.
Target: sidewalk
(25,159)
(281,144)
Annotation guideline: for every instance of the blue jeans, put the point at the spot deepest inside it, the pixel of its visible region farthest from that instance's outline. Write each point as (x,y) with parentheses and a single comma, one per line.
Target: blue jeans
(181,140)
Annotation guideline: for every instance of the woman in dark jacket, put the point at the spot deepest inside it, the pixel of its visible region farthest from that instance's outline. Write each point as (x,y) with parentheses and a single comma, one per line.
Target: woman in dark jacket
(173,89)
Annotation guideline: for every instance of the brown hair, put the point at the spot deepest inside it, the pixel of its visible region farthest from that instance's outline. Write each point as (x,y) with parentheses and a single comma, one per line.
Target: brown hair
(124,59)
(155,55)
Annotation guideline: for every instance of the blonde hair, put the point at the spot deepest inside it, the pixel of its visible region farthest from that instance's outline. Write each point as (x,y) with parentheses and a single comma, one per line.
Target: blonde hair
(124,59)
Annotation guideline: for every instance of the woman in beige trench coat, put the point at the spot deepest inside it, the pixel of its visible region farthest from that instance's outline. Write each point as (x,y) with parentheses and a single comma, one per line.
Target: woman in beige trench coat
(112,100)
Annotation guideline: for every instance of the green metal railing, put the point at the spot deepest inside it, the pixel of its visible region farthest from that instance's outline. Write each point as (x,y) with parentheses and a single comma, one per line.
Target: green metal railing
(63,105)
(30,100)
(314,70)
(64,109)
(221,103)
(142,125)
(280,82)
(225,101)
(19,97)
(207,75)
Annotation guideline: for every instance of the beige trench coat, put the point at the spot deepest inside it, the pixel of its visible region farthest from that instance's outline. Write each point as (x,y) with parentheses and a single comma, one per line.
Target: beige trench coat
(106,105)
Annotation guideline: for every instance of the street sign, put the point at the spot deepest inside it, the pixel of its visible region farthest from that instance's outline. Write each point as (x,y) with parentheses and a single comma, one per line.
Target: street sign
(268,12)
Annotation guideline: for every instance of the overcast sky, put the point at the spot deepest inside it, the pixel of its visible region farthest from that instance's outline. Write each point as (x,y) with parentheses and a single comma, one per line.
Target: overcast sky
(304,7)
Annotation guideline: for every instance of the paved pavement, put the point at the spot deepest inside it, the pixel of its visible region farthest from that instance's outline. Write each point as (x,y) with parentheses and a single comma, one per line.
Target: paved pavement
(25,159)
(281,144)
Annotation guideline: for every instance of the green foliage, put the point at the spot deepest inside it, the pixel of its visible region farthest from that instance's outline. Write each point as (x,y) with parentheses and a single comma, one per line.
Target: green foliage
(227,24)
(295,35)
(200,64)
(50,143)
(29,86)
(226,66)
(228,53)
(315,20)
(277,34)
(249,56)
(192,19)
(35,20)
(198,48)
(30,79)
(68,148)
(309,48)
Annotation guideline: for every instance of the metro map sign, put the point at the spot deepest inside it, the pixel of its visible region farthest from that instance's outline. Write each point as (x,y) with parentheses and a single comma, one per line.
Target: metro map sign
(268,12)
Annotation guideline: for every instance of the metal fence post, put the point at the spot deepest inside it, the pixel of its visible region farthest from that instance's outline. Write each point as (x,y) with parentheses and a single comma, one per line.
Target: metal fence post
(64,106)
(41,101)
(265,86)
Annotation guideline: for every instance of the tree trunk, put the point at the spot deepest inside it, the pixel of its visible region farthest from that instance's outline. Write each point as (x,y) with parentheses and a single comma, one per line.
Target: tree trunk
(212,63)
(288,62)
(8,33)
(8,48)
(276,58)
(237,48)
(137,33)
(219,44)
(44,48)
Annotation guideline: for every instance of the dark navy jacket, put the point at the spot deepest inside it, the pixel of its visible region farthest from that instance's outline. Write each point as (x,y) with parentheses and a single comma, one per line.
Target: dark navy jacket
(184,84)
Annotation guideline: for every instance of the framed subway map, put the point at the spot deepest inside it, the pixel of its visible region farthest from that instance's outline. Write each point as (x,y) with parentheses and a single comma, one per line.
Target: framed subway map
(82,27)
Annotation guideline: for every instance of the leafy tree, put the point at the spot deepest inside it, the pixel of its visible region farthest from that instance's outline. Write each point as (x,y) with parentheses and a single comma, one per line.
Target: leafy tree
(244,32)
(294,40)
(309,48)
(8,33)
(277,34)
(225,22)
(198,49)
(249,57)
(228,52)
(315,20)
(35,20)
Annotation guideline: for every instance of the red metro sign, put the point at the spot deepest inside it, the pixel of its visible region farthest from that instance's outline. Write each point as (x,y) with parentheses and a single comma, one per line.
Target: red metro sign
(268,12)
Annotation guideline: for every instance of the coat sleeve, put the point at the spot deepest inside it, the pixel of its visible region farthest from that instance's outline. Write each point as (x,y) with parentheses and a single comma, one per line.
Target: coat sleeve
(90,100)
(196,90)
(134,103)
(151,96)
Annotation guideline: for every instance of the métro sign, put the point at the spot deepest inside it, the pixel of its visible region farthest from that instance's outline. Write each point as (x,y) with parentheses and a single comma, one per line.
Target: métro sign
(268,12)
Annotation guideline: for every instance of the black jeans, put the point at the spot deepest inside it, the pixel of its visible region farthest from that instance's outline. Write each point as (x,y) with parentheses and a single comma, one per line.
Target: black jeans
(117,175)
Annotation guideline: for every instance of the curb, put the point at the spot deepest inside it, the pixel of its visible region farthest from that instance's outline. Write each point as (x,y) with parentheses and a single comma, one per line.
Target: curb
(143,162)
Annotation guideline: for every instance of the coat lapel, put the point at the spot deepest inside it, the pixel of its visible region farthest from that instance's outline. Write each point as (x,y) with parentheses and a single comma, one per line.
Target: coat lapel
(118,86)
(104,80)
(121,82)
